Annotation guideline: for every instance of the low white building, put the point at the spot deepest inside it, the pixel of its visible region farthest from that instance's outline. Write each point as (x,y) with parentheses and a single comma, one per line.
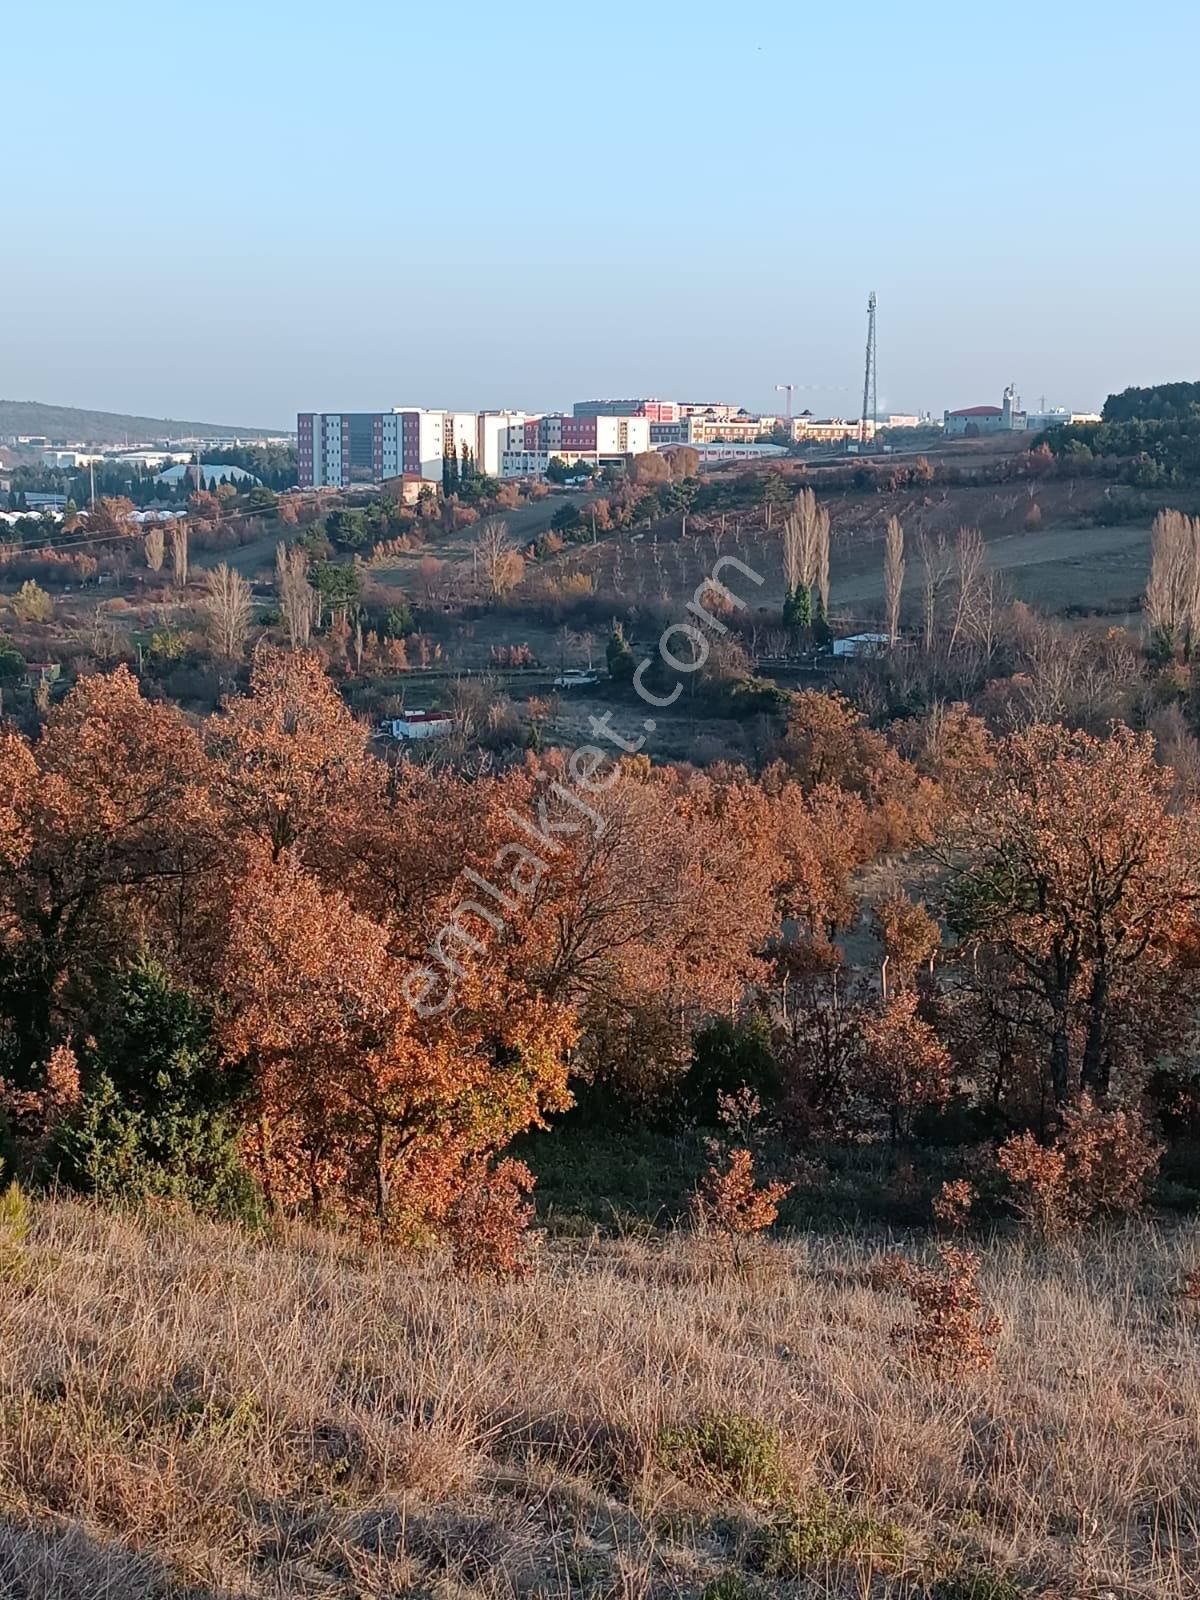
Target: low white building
(148,458)
(417,725)
(714,454)
(863,644)
(1058,417)
(70,459)
(968,421)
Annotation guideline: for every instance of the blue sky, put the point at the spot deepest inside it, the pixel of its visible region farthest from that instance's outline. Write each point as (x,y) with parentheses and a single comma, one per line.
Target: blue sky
(242,211)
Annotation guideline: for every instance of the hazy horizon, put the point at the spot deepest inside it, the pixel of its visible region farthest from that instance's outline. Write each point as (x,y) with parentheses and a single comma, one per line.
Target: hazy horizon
(295,209)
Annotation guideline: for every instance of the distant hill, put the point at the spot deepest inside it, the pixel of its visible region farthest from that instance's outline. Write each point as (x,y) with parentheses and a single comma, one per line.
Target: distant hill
(109,427)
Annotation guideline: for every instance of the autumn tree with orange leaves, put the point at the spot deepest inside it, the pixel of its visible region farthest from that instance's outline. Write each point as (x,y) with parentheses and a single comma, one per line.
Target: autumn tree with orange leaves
(107,833)
(906,1069)
(651,914)
(361,1106)
(1071,867)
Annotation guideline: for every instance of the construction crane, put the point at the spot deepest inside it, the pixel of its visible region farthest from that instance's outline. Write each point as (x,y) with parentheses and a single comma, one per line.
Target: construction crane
(870,383)
(788,389)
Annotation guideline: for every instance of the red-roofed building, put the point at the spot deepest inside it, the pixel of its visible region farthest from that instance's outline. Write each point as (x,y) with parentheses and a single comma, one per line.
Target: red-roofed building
(970,421)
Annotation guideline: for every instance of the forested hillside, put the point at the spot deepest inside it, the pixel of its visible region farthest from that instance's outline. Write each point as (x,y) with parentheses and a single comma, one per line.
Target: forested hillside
(108,427)
(1159,428)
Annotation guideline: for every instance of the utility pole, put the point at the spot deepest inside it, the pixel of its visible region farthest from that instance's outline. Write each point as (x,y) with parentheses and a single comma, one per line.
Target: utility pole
(870,403)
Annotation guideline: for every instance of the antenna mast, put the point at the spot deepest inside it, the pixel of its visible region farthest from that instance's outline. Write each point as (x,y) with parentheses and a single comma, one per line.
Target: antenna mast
(786,388)
(870,403)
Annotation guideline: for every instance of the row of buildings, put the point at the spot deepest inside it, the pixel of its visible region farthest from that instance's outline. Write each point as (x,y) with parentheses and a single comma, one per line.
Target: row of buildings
(713,422)
(339,448)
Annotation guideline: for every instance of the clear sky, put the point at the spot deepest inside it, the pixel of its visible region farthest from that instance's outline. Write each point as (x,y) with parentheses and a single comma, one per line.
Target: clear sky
(236,211)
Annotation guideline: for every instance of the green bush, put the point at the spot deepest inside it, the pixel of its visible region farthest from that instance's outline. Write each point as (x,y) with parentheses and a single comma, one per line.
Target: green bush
(730,1455)
(12,662)
(819,1531)
(398,621)
(622,664)
(14,1217)
(158,1116)
(726,1056)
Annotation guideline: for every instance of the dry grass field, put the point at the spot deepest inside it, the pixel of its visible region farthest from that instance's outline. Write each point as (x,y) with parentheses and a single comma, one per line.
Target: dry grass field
(191,1411)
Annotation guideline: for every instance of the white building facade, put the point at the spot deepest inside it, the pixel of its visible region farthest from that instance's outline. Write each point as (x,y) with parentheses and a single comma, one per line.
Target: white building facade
(594,440)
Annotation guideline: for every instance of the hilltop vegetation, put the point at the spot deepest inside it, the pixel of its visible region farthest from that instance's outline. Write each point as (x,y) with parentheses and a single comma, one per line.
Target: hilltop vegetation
(1163,402)
(1157,429)
(107,427)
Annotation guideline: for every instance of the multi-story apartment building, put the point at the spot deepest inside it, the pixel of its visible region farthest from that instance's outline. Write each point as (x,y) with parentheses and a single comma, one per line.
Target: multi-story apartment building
(598,440)
(336,449)
(497,433)
(339,449)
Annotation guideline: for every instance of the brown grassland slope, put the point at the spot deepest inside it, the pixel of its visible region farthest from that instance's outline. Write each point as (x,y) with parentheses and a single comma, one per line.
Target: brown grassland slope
(191,1410)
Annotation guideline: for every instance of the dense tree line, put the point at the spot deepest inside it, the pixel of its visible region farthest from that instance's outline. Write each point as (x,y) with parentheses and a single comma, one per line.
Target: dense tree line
(1163,402)
(1157,430)
(244,957)
(274,465)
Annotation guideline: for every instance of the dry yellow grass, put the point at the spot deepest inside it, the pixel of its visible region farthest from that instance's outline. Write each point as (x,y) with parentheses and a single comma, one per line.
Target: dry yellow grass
(190,1411)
